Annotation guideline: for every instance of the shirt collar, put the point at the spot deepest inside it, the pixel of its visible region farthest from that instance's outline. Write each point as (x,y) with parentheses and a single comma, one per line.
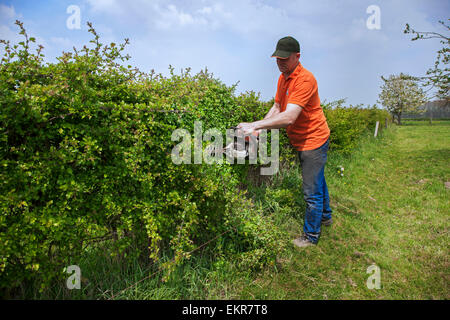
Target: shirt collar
(295,72)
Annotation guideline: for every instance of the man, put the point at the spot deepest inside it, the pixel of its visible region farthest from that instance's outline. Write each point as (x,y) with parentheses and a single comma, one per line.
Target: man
(297,108)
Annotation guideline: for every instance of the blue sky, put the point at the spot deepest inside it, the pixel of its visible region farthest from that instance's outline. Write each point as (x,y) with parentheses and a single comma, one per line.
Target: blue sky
(235,38)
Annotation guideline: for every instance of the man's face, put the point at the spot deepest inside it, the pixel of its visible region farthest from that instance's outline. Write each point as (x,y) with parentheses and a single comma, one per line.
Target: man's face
(288,65)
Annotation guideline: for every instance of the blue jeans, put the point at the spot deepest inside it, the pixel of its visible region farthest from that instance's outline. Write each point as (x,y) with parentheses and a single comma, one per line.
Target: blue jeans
(315,190)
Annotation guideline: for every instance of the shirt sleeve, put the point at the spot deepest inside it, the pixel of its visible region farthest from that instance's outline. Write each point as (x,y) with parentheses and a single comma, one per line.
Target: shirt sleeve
(302,93)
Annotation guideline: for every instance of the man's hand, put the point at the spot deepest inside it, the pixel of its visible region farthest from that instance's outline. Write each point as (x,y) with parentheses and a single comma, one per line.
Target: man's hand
(248,128)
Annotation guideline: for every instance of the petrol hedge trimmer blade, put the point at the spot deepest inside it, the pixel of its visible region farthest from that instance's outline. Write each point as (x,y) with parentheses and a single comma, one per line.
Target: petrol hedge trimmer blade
(241,148)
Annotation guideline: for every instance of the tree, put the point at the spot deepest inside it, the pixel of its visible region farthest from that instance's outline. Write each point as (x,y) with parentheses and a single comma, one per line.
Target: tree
(438,76)
(401,93)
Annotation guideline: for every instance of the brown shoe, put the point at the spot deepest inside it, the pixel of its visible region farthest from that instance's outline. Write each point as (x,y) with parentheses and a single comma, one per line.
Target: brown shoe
(302,242)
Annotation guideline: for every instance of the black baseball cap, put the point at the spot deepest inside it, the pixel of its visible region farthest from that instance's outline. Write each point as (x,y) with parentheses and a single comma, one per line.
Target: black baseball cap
(285,47)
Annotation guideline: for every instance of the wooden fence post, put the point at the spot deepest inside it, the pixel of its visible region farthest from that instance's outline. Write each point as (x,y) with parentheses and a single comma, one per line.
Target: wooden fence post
(376,129)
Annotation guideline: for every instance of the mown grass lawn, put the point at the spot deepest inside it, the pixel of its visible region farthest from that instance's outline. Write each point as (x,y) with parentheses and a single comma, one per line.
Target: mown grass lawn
(391,209)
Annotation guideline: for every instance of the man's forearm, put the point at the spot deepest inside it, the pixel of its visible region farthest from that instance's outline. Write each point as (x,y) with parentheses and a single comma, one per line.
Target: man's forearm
(273,111)
(280,120)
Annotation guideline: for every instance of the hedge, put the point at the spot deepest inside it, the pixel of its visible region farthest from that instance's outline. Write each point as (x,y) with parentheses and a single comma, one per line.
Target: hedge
(85,156)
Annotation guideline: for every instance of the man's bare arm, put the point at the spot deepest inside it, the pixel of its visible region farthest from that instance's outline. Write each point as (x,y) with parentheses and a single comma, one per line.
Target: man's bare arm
(280,120)
(273,111)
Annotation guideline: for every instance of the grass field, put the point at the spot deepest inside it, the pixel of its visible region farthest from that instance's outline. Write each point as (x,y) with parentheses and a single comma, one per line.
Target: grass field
(391,209)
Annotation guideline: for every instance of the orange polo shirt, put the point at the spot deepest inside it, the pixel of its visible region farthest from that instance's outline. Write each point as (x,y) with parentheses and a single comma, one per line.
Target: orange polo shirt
(310,130)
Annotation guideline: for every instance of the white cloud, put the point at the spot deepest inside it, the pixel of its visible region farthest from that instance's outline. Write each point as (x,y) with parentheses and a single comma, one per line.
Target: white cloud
(7,34)
(172,16)
(7,14)
(106,6)
(243,17)
(10,32)
(205,10)
(62,42)
(249,17)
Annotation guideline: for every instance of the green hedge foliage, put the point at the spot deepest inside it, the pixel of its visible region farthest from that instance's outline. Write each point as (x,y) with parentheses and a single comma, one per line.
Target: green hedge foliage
(85,156)
(347,124)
